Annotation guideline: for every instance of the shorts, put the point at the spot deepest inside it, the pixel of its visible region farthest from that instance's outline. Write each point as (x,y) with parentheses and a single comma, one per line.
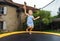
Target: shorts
(30,25)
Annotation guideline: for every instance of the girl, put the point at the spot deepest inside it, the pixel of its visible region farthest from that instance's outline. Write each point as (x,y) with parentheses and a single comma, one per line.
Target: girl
(30,19)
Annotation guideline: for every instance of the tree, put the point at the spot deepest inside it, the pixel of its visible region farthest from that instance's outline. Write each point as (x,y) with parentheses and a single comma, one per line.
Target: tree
(58,16)
(45,16)
(44,21)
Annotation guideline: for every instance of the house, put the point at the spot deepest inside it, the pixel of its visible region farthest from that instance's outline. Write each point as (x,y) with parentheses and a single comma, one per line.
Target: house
(55,25)
(12,15)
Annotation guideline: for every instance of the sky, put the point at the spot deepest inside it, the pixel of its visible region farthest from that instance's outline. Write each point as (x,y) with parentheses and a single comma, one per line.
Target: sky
(53,7)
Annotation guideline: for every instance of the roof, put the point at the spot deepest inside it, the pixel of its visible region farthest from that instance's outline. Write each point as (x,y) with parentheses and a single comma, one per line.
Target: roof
(56,20)
(17,5)
(6,2)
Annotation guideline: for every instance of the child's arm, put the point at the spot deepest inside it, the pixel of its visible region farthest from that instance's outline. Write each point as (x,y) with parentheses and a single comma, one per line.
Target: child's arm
(36,18)
(25,9)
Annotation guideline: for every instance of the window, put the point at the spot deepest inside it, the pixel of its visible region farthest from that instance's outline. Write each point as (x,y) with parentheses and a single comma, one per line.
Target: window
(3,10)
(2,25)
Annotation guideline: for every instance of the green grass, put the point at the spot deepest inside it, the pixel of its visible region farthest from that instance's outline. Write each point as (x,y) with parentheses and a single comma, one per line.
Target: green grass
(1,32)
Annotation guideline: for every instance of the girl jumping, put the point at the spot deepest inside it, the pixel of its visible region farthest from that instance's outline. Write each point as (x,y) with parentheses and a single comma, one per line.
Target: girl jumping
(30,19)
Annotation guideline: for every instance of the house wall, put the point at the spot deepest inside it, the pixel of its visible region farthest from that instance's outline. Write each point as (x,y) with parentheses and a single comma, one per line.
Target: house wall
(10,18)
(23,17)
(21,20)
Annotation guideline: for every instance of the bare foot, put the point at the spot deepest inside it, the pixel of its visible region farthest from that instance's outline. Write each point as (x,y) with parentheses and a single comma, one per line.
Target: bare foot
(30,33)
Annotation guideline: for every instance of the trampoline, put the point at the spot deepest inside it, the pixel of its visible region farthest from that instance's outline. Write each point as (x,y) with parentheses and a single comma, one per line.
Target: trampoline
(35,36)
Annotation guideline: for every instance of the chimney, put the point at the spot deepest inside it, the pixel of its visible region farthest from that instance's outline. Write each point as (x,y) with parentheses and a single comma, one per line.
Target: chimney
(34,6)
(25,3)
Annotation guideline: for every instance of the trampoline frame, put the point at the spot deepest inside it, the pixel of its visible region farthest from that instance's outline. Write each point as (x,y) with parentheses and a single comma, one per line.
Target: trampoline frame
(19,32)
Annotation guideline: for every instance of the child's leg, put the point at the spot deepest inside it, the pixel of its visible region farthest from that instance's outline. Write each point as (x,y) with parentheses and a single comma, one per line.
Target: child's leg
(30,30)
(27,29)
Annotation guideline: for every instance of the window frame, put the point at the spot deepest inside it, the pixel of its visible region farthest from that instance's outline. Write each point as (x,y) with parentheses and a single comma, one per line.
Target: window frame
(3,10)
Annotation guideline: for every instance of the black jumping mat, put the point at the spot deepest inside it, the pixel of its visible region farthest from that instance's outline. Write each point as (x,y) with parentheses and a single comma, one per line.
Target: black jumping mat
(32,37)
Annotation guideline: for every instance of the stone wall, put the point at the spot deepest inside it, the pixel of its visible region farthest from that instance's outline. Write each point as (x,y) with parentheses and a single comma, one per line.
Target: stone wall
(10,18)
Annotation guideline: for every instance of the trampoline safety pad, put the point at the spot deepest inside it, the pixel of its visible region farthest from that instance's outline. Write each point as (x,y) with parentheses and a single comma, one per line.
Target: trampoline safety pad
(35,36)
